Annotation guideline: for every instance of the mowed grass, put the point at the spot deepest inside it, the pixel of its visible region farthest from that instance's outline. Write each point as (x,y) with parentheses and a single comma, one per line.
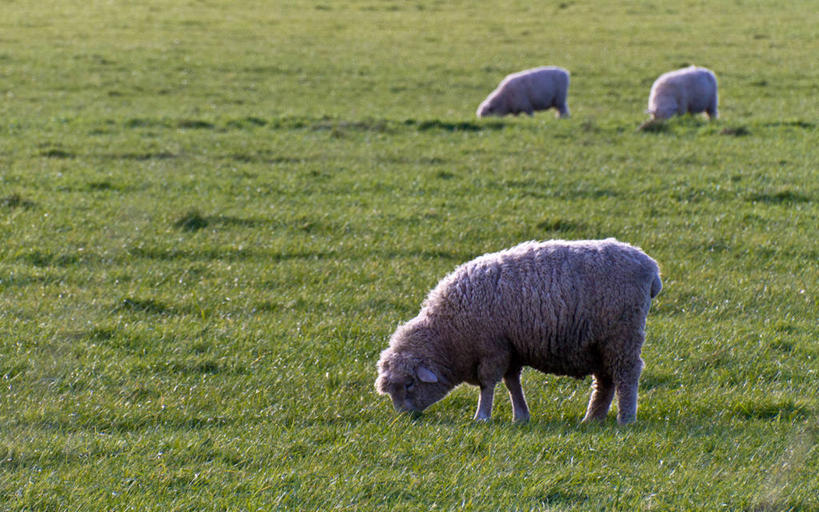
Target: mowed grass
(213,215)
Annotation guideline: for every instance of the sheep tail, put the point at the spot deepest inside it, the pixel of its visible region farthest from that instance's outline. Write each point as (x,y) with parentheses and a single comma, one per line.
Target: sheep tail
(656,286)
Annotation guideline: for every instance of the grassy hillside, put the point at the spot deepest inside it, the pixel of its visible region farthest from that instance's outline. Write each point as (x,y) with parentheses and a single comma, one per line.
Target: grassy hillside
(213,215)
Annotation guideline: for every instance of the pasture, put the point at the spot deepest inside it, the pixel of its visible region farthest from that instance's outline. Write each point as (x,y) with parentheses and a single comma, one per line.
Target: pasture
(214,214)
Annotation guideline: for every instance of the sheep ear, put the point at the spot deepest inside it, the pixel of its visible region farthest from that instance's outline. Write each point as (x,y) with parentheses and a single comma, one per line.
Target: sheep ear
(426,375)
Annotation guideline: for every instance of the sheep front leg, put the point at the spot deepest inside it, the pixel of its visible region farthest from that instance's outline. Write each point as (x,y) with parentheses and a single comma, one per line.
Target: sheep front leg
(484,412)
(520,411)
(489,373)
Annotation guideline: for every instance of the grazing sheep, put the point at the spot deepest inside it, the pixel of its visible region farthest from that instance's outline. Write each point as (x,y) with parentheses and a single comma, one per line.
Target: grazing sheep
(529,91)
(567,308)
(690,89)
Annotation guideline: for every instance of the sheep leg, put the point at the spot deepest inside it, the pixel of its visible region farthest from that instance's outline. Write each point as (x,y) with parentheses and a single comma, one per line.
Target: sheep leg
(712,110)
(601,397)
(489,373)
(563,110)
(484,412)
(625,384)
(520,411)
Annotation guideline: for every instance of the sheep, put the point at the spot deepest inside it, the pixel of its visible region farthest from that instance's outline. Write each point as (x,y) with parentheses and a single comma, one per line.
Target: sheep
(573,308)
(690,89)
(529,91)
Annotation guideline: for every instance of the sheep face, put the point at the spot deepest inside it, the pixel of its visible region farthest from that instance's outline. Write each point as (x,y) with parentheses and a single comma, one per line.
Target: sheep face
(489,108)
(412,385)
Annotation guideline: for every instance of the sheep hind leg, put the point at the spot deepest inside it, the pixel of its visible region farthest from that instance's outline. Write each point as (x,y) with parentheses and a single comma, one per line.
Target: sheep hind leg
(562,109)
(625,384)
(520,411)
(712,111)
(601,397)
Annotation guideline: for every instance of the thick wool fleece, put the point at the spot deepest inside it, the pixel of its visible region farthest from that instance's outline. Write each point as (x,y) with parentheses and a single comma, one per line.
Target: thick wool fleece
(688,90)
(567,308)
(529,91)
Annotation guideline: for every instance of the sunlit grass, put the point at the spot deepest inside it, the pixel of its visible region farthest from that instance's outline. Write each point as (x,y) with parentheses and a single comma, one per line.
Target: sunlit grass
(213,216)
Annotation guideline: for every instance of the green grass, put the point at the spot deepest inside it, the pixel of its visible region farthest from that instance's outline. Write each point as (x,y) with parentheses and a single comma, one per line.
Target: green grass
(213,215)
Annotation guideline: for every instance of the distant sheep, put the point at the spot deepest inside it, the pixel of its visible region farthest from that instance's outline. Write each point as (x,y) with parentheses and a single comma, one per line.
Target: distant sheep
(529,91)
(688,90)
(567,308)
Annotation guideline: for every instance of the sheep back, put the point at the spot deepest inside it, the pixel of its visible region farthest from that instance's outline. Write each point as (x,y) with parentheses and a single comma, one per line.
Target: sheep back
(549,305)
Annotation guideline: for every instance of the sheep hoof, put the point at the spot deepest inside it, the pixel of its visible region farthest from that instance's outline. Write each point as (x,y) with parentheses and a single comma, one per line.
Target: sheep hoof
(521,419)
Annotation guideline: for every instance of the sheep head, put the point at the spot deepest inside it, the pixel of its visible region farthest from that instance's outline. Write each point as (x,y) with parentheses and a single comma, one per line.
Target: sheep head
(413,385)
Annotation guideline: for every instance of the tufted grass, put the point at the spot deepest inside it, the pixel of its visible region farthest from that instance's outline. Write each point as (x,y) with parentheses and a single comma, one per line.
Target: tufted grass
(213,216)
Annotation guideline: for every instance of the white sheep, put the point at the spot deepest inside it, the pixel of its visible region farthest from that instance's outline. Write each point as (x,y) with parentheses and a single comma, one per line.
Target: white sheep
(529,91)
(688,90)
(568,308)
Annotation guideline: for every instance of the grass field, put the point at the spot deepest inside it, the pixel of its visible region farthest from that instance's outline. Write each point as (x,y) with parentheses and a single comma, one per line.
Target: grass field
(214,214)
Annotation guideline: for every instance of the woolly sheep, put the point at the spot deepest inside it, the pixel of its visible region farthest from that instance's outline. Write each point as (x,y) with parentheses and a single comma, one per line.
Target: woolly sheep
(529,91)
(567,308)
(690,89)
